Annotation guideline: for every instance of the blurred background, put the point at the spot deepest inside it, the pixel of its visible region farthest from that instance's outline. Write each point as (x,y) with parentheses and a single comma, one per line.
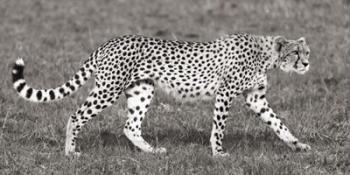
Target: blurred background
(55,37)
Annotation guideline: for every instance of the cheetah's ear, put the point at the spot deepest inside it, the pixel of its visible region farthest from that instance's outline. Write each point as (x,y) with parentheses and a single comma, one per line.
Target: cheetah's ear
(280,41)
(302,40)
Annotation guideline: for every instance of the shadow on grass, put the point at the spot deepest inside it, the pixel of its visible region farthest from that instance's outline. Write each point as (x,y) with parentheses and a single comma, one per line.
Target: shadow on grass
(190,136)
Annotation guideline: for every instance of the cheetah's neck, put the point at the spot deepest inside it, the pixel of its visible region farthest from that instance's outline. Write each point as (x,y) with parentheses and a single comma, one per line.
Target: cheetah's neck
(269,55)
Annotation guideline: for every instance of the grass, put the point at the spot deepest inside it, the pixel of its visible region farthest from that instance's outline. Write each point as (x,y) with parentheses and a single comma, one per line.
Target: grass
(54,37)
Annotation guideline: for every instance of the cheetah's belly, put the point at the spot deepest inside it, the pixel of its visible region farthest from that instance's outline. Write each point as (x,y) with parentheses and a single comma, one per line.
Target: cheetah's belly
(189,91)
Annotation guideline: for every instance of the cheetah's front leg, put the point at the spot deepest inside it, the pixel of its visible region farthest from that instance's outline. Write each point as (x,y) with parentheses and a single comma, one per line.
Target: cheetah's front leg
(222,105)
(256,101)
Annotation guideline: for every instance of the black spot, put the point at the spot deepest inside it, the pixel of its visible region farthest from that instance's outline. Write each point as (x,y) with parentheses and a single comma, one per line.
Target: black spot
(39,95)
(52,94)
(225,103)
(61,90)
(131,111)
(29,93)
(216,135)
(269,122)
(295,142)
(224,117)
(142,99)
(70,86)
(20,87)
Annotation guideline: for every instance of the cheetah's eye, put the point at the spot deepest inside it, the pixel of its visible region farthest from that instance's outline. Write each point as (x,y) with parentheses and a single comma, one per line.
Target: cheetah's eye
(307,53)
(295,52)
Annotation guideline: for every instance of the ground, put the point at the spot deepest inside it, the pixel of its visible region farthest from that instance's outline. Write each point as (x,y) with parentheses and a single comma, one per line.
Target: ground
(54,38)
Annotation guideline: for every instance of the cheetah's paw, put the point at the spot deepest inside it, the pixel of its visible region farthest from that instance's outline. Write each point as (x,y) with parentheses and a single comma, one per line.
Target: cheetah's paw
(221,154)
(300,147)
(159,150)
(73,154)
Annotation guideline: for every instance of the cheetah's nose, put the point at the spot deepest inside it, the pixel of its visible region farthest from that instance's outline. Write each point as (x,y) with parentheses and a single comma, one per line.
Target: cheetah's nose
(305,64)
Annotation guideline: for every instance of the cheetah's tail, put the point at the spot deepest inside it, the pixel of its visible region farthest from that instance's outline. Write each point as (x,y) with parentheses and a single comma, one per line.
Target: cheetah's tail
(53,94)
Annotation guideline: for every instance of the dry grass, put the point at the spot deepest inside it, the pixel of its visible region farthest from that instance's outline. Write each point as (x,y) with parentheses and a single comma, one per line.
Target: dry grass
(54,37)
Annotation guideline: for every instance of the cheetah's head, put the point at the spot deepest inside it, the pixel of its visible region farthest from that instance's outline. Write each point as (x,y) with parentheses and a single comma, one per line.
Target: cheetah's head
(293,54)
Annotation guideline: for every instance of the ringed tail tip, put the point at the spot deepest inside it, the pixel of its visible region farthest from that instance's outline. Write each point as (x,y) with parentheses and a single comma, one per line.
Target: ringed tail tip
(17,70)
(20,62)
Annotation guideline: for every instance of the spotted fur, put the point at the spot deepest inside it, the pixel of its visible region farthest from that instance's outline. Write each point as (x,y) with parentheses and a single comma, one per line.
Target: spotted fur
(224,69)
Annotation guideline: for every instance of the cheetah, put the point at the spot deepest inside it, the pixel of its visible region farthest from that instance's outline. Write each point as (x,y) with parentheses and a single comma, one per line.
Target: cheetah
(220,69)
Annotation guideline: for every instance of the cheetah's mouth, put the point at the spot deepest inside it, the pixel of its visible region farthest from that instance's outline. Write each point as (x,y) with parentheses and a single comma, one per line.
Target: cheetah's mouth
(303,70)
(291,70)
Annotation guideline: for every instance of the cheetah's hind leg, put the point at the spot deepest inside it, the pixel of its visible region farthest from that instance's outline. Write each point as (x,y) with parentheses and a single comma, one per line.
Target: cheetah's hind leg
(139,96)
(98,99)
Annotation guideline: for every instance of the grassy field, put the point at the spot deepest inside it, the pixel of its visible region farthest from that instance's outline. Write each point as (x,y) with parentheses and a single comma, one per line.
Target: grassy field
(55,36)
